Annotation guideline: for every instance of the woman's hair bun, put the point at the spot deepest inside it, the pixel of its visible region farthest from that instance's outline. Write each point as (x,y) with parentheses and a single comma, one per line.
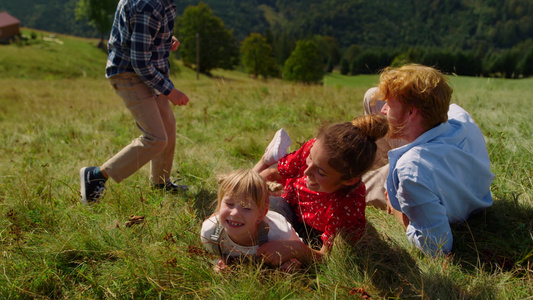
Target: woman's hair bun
(373,126)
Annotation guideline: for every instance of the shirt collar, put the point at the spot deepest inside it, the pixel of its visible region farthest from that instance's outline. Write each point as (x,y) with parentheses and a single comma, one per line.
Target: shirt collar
(422,139)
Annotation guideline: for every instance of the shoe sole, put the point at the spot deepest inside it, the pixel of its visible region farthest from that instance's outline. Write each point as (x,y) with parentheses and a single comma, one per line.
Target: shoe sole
(281,141)
(82,185)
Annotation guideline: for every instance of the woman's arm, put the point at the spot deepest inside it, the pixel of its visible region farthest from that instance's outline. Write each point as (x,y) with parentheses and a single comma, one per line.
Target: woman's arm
(269,173)
(260,166)
(275,253)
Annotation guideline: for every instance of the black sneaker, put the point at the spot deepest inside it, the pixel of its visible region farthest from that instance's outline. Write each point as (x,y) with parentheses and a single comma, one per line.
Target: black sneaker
(91,188)
(171,187)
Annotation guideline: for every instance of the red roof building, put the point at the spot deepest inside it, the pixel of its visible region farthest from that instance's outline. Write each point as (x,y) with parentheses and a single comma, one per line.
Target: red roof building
(9,26)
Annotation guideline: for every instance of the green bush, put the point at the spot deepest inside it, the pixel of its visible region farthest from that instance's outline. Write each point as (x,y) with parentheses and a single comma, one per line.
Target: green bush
(305,64)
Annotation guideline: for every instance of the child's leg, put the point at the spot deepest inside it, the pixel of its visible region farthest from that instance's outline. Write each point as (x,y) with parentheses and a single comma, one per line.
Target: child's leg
(140,100)
(161,165)
(281,206)
(277,148)
(306,232)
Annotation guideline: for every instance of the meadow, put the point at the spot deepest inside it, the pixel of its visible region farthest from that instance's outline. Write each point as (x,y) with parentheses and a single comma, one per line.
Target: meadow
(58,113)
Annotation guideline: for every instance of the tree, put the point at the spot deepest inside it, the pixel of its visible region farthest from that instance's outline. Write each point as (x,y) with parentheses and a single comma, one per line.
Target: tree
(329,47)
(218,48)
(305,64)
(282,46)
(526,64)
(349,57)
(502,63)
(344,67)
(256,56)
(372,60)
(99,13)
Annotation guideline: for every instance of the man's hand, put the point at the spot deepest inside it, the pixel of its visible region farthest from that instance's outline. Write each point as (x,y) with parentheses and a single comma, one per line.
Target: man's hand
(178,98)
(404,220)
(389,206)
(175,44)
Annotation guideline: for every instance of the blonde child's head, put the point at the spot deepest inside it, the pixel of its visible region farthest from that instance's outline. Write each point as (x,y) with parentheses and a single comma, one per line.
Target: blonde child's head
(242,205)
(243,182)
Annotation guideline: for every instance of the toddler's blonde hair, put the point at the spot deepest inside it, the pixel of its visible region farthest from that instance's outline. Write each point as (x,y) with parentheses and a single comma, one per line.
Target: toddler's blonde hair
(243,182)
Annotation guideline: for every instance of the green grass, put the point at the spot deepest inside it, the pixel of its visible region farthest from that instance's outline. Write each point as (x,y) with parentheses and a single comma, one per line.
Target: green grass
(53,247)
(51,56)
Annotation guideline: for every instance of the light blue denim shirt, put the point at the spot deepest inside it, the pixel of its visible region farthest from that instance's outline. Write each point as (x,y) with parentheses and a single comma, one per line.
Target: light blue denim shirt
(440,178)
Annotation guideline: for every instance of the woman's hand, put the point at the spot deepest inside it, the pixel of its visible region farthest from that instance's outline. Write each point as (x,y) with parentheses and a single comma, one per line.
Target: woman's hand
(276,253)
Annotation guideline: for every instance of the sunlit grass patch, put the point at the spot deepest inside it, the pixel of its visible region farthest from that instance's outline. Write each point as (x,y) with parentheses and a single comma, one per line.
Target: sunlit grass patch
(53,247)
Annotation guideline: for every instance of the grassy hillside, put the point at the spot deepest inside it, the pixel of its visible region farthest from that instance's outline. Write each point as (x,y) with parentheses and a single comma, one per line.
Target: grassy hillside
(55,121)
(42,55)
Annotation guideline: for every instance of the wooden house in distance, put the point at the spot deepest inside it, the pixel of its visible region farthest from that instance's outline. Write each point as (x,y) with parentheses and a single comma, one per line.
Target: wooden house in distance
(9,27)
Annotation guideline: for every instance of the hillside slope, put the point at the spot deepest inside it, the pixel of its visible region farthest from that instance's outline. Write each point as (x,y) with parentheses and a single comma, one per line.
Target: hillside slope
(46,55)
(458,24)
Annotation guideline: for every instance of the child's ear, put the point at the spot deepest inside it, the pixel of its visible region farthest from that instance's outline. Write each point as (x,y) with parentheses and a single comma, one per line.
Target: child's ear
(265,209)
(351,181)
(263,213)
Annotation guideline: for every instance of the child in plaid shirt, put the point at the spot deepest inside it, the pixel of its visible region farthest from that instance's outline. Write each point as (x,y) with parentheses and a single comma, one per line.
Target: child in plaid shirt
(138,69)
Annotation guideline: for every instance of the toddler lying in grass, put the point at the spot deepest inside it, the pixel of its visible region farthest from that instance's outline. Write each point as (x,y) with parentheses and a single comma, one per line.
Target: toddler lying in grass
(242,222)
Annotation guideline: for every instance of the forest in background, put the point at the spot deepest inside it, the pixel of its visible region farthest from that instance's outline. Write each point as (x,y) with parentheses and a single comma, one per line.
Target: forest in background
(469,37)
(49,15)
(458,24)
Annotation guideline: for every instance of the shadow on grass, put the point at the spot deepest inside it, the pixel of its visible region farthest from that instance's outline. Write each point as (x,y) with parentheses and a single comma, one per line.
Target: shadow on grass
(204,203)
(396,273)
(497,238)
(377,259)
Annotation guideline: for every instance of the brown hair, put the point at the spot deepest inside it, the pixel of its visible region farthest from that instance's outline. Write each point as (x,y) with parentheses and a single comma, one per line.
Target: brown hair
(351,146)
(419,86)
(243,182)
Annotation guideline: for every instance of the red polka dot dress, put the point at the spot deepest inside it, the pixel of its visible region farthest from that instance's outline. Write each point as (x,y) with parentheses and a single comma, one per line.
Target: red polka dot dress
(326,212)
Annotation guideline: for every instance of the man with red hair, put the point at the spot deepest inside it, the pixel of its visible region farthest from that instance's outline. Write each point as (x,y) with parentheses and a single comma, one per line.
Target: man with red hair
(442,175)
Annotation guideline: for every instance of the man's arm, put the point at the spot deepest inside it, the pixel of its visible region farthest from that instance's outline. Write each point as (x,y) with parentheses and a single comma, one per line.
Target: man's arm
(429,228)
(404,220)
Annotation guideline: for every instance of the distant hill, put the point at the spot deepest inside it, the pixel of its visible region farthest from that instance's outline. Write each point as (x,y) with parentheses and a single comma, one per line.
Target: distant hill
(457,24)
(47,55)
(49,15)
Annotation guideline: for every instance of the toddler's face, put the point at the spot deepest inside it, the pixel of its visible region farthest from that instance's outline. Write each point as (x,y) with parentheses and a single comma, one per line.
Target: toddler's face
(240,217)
(321,177)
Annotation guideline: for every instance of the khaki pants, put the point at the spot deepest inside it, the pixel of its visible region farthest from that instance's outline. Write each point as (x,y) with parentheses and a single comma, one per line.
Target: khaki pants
(375,179)
(155,119)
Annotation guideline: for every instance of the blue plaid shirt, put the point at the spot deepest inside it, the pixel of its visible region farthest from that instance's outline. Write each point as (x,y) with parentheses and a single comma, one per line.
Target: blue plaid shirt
(140,41)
